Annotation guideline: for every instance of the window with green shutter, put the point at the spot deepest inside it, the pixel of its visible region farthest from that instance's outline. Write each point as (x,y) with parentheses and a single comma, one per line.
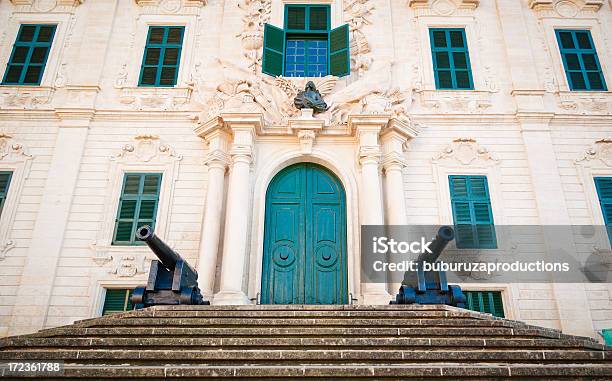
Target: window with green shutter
(472,213)
(27,61)
(162,56)
(117,300)
(580,60)
(451,59)
(604,192)
(137,206)
(307,46)
(489,302)
(5,181)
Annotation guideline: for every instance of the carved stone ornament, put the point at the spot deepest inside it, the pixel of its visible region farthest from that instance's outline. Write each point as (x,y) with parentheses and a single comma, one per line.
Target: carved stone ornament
(358,14)
(127,265)
(25,97)
(144,99)
(452,102)
(47,5)
(171,6)
(600,151)
(10,150)
(466,151)
(565,8)
(145,148)
(572,102)
(256,14)
(442,7)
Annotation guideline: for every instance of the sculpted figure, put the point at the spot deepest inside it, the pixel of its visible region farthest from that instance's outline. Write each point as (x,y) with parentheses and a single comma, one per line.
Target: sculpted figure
(310,97)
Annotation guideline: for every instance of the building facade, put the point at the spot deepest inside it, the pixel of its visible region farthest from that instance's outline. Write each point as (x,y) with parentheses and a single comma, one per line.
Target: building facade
(180,114)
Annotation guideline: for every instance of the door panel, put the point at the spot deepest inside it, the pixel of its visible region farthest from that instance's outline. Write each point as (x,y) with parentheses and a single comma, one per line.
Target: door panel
(305,238)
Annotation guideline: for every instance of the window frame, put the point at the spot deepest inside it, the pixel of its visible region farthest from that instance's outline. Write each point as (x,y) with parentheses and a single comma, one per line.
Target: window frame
(162,46)
(601,203)
(5,192)
(139,199)
(31,45)
(468,296)
(450,50)
(306,33)
(579,52)
(127,302)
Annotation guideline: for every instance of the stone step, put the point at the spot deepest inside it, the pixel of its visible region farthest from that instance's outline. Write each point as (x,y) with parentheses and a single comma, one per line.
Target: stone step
(310,342)
(263,314)
(302,332)
(330,372)
(303,322)
(245,356)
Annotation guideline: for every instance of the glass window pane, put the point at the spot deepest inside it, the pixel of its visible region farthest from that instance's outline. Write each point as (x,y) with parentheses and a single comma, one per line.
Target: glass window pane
(456,39)
(33,75)
(152,57)
(13,74)
(296,18)
(567,42)
(572,61)
(439,39)
(27,33)
(175,35)
(38,55)
(463,79)
(595,80)
(167,76)
(318,18)
(589,61)
(459,60)
(445,79)
(156,35)
(45,34)
(442,60)
(577,81)
(584,42)
(171,56)
(20,55)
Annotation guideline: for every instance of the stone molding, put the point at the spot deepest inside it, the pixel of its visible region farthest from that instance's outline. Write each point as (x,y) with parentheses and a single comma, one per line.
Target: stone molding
(600,151)
(170,6)
(584,102)
(453,101)
(565,8)
(26,97)
(442,7)
(146,153)
(47,5)
(155,98)
(14,157)
(465,152)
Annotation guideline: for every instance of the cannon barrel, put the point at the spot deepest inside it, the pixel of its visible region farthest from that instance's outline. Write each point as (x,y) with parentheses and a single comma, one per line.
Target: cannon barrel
(444,236)
(166,255)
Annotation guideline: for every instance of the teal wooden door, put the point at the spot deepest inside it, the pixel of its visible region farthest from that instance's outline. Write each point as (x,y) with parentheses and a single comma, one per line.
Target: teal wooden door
(304,259)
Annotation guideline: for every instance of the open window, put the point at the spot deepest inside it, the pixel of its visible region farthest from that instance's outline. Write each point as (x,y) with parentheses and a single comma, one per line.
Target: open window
(307,46)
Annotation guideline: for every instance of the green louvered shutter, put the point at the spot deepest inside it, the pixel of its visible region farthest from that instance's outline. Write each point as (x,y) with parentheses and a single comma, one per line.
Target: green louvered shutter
(137,206)
(5,181)
(604,192)
(472,212)
(117,300)
(161,59)
(489,302)
(339,51)
(29,56)
(274,50)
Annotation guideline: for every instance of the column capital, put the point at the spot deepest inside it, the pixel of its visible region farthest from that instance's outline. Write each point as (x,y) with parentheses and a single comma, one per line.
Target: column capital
(393,161)
(217,158)
(369,155)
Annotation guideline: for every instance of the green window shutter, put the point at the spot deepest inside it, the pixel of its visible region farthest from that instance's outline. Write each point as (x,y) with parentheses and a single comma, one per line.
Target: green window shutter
(162,55)
(580,61)
(274,50)
(137,206)
(29,56)
(339,51)
(472,212)
(451,59)
(489,302)
(604,192)
(5,181)
(318,19)
(117,300)
(295,17)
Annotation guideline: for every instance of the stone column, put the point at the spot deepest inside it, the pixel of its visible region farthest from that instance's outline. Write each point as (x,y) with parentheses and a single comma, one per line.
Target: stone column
(237,218)
(217,161)
(370,197)
(393,165)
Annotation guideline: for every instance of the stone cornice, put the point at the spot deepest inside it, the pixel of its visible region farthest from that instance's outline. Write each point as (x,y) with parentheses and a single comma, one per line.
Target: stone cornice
(546,5)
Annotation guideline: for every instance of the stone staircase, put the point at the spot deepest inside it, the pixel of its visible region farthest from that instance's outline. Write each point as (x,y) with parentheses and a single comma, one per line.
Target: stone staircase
(311,342)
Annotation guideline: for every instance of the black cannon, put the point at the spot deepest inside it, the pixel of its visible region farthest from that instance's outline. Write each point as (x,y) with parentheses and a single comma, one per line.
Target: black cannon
(430,287)
(171,279)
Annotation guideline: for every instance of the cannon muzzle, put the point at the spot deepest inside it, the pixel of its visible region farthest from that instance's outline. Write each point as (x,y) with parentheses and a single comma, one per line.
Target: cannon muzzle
(444,236)
(166,255)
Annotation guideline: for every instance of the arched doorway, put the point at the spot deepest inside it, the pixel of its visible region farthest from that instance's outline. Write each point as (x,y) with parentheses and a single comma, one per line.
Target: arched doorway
(304,259)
